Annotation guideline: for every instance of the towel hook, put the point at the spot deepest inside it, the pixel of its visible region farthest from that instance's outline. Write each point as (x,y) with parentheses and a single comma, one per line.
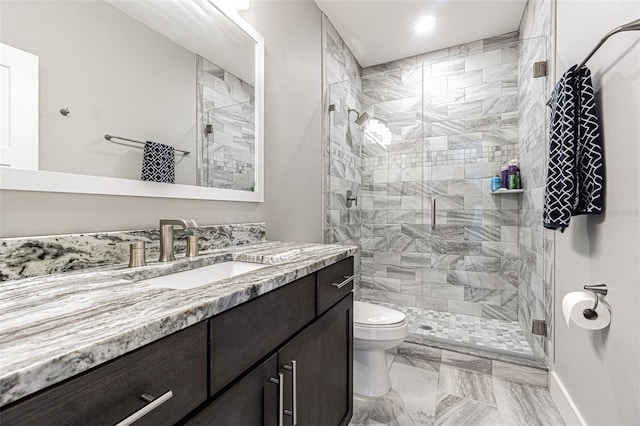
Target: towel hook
(597,289)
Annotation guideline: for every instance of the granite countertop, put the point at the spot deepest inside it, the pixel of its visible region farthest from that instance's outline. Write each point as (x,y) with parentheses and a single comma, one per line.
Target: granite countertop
(56,326)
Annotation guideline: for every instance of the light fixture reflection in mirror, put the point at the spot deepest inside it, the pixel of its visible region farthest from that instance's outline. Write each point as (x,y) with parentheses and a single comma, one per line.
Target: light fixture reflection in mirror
(86,72)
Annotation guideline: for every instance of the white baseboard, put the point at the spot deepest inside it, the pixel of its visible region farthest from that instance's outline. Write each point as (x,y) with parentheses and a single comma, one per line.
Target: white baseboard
(563,401)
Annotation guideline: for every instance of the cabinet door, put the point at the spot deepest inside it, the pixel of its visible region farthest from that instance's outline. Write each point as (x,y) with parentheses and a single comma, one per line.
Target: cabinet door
(323,359)
(252,401)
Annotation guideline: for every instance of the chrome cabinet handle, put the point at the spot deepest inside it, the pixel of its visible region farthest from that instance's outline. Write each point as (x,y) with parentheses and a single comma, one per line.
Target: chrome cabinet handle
(343,283)
(294,384)
(280,382)
(433,213)
(153,404)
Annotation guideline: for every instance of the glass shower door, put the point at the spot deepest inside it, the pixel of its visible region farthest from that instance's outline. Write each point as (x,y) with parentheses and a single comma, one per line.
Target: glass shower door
(394,258)
(471,111)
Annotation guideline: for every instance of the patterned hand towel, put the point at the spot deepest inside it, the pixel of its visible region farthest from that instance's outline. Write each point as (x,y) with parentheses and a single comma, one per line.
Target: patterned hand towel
(590,162)
(158,163)
(575,171)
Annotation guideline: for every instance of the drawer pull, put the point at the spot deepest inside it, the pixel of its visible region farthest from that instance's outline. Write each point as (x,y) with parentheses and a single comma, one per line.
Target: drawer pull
(343,283)
(153,404)
(294,384)
(280,382)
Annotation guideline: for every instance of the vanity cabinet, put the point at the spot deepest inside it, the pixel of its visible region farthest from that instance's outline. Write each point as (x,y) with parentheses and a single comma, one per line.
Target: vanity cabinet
(306,329)
(281,356)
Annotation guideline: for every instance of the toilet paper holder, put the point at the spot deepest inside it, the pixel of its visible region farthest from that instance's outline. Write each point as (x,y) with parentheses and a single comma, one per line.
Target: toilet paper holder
(597,289)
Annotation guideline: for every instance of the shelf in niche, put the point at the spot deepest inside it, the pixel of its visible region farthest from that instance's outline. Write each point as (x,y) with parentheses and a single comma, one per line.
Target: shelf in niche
(508,191)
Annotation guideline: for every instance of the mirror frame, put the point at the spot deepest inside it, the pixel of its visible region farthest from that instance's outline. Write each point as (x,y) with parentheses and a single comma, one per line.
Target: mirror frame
(46,181)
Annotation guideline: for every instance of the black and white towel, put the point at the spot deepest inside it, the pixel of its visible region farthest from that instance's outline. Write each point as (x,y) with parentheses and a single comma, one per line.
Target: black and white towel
(575,176)
(158,163)
(590,163)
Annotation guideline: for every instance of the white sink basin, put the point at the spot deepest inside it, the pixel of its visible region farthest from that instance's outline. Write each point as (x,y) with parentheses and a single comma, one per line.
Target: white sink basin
(201,276)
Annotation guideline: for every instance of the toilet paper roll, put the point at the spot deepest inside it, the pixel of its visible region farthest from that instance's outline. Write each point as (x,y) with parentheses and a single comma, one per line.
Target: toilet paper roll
(573,305)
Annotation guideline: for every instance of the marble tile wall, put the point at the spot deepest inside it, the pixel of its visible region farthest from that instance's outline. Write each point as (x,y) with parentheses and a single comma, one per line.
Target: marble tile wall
(34,256)
(444,123)
(342,142)
(535,246)
(227,104)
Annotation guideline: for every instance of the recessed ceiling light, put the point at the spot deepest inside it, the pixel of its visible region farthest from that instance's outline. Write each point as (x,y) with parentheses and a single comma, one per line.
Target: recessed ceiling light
(238,4)
(242,4)
(425,25)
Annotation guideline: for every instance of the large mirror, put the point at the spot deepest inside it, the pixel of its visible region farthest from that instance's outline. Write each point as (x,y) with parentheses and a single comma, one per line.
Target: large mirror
(120,81)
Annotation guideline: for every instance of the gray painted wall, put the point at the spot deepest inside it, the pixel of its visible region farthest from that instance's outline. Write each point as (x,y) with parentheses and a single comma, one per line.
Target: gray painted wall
(292,207)
(601,369)
(293,90)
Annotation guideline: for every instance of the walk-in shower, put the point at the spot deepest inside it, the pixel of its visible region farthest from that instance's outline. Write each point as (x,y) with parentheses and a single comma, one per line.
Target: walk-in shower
(438,127)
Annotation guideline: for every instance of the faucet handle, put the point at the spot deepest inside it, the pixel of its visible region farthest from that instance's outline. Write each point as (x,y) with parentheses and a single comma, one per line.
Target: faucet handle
(137,254)
(192,246)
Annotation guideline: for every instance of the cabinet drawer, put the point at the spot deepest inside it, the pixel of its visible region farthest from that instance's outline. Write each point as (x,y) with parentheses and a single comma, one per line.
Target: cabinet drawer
(242,336)
(329,281)
(111,392)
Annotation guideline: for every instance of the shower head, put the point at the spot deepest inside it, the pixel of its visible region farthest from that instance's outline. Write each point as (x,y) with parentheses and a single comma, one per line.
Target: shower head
(361,117)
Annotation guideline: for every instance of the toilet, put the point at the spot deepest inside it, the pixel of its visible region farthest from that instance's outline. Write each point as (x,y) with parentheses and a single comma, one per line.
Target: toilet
(375,329)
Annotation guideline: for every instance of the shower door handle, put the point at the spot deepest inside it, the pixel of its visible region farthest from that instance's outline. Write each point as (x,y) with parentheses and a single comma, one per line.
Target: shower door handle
(433,213)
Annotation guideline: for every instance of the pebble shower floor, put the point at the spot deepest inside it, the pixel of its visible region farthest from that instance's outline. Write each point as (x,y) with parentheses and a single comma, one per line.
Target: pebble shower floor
(466,329)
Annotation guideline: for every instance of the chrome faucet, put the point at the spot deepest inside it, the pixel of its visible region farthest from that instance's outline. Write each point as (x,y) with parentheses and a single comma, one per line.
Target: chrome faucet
(166,236)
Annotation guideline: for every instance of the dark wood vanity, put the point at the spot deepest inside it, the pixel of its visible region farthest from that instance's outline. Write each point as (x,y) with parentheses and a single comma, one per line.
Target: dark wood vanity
(282,358)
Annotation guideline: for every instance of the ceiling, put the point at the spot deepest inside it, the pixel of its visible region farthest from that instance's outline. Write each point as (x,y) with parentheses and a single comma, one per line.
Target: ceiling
(379,31)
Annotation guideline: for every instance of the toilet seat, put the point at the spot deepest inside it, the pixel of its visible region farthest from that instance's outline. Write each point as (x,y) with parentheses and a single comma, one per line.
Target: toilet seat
(378,323)
(376,316)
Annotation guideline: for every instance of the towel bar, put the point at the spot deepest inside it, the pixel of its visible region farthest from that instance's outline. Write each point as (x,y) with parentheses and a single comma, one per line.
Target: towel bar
(109,137)
(631,26)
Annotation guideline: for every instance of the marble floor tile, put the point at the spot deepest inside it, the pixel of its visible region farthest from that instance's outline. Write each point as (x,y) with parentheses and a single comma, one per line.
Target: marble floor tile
(466,384)
(427,392)
(417,386)
(519,373)
(526,405)
(466,362)
(452,410)
(419,356)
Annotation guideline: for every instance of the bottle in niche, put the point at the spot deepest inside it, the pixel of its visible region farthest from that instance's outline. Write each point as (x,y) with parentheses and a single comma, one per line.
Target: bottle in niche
(512,175)
(496,183)
(505,178)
